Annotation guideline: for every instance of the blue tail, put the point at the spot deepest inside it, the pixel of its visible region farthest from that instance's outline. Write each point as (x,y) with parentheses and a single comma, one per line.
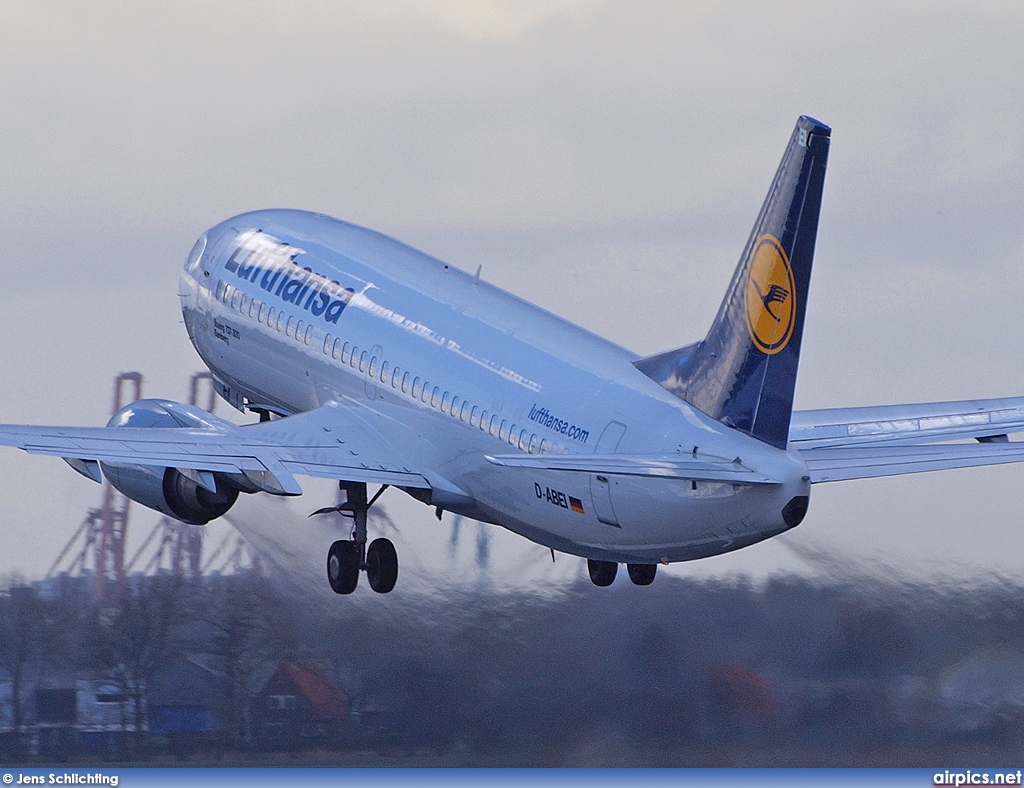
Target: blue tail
(744,372)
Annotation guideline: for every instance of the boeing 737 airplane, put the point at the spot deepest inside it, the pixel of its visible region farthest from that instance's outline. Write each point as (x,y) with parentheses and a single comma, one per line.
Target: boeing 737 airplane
(371,363)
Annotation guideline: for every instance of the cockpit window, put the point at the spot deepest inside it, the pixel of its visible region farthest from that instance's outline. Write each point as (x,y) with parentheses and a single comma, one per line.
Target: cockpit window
(196,255)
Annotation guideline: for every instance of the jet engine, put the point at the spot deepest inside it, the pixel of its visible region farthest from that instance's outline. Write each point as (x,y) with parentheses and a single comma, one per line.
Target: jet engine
(192,496)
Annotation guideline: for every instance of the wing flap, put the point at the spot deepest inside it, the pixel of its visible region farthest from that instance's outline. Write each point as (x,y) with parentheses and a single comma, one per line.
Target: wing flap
(668,466)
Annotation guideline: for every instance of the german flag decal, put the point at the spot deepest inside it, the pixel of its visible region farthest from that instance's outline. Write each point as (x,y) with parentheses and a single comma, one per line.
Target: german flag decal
(576,504)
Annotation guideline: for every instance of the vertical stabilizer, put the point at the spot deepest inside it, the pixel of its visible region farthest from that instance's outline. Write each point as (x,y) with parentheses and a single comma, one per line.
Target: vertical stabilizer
(744,372)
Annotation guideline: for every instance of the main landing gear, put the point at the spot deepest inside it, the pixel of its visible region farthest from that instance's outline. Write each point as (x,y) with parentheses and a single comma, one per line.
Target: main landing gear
(602,573)
(347,557)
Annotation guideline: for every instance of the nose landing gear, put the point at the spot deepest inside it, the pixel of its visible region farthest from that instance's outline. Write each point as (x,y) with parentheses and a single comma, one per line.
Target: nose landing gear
(347,557)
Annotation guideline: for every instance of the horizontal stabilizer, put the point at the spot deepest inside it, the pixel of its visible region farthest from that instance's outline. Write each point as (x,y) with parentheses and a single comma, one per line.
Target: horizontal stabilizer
(864,462)
(907,424)
(666,466)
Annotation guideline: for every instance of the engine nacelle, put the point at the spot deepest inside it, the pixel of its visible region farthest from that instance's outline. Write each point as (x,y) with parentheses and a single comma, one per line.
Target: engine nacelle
(168,490)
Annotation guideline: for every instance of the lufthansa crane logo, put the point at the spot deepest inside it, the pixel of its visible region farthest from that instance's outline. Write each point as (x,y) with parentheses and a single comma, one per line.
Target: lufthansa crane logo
(771,296)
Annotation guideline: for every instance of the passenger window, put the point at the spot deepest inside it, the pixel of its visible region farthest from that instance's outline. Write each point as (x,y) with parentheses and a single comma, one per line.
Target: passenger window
(236,297)
(503,430)
(395,377)
(534,444)
(426,392)
(252,307)
(271,317)
(405,383)
(383,372)
(336,350)
(544,446)
(435,400)
(346,354)
(262,316)
(244,305)
(522,440)
(474,417)
(280,321)
(485,422)
(372,369)
(228,290)
(362,361)
(220,290)
(327,344)
(445,402)
(308,338)
(298,329)
(288,326)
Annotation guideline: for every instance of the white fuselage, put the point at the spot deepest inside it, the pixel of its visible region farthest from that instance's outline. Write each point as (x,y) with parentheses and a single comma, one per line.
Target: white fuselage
(449,369)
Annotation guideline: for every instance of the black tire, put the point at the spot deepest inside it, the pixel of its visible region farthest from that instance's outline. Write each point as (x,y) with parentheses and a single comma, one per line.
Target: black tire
(381,565)
(642,574)
(343,567)
(602,573)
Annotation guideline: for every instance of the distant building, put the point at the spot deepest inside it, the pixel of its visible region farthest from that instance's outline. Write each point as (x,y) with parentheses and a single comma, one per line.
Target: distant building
(186,698)
(301,706)
(64,714)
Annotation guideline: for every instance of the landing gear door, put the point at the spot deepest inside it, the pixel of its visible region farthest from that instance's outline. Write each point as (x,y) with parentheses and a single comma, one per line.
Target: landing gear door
(600,483)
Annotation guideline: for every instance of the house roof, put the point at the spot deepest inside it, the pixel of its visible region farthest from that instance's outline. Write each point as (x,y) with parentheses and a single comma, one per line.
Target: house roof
(313,682)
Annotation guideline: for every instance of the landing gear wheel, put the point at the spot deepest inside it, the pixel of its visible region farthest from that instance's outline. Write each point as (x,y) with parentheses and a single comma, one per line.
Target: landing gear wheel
(381,565)
(642,574)
(343,567)
(602,573)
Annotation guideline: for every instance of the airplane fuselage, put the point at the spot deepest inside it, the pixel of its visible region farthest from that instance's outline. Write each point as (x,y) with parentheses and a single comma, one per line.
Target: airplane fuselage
(291,310)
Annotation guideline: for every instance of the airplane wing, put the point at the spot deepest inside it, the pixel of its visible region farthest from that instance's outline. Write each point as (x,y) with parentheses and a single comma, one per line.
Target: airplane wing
(668,466)
(329,442)
(858,443)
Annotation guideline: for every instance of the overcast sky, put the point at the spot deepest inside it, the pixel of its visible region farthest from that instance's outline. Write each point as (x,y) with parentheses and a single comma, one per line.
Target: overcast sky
(603,159)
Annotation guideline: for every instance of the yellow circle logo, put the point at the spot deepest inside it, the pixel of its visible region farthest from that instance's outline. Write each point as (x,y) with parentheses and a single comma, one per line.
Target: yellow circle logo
(771,296)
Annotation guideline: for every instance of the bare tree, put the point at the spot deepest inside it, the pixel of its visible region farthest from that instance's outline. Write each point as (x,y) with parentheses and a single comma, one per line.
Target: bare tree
(23,626)
(246,628)
(146,627)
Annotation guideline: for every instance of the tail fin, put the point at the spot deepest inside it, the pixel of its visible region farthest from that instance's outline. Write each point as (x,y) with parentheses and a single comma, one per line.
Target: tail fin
(744,372)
